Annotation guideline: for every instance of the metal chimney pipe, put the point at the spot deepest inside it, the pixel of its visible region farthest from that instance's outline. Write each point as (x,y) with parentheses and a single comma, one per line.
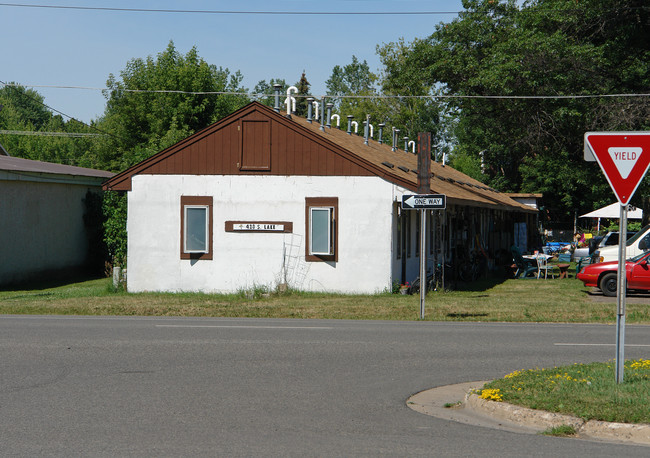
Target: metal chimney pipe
(406,144)
(276,89)
(395,136)
(350,124)
(310,108)
(329,115)
(366,127)
(381,132)
(322,121)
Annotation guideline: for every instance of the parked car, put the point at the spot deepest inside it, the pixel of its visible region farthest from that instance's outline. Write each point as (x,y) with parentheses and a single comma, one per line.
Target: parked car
(603,275)
(637,244)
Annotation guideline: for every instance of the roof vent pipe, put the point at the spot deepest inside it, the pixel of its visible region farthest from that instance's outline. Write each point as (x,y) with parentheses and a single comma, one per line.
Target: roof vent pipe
(329,115)
(395,135)
(310,107)
(322,121)
(350,124)
(356,126)
(412,145)
(316,105)
(372,130)
(338,120)
(381,132)
(406,144)
(291,99)
(276,90)
(366,128)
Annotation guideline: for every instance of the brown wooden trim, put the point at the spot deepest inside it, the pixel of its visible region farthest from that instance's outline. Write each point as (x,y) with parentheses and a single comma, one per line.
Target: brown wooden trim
(288,227)
(197,200)
(322,202)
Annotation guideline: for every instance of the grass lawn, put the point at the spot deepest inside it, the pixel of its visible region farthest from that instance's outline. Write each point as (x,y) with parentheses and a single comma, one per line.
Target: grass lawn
(527,300)
(587,391)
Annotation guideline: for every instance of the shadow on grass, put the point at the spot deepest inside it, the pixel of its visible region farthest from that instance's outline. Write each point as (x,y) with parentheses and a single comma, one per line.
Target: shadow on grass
(482,284)
(466,315)
(51,280)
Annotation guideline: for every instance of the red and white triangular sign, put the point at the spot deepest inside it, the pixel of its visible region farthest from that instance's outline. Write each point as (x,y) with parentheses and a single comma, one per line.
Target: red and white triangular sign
(624,158)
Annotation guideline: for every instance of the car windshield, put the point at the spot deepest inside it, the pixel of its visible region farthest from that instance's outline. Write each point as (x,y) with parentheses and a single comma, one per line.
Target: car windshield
(637,235)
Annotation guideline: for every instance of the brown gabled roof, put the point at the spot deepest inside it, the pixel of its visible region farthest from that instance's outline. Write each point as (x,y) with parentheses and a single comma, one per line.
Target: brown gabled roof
(301,148)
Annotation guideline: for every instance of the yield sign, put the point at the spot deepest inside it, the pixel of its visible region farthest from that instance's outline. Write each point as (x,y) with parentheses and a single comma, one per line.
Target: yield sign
(624,158)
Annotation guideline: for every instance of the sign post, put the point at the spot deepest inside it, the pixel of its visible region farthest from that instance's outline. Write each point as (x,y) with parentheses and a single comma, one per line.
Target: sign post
(424,186)
(624,158)
(423,202)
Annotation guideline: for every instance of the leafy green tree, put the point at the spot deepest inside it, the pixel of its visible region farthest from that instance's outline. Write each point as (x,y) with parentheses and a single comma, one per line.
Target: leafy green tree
(24,111)
(303,92)
(543,48)
(264,92)
(140,118)
(413,111)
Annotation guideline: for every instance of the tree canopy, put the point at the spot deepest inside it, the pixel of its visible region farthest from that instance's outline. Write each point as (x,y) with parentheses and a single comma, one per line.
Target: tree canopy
(549,48)
(145,122)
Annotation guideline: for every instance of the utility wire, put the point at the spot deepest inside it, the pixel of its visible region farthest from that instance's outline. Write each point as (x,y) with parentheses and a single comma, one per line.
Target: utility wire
(275,13)
(49,134)
(13,86)
(355,96)
(288,13)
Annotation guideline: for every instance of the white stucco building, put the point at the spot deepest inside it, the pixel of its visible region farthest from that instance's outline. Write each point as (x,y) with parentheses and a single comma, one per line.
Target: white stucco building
(262,199)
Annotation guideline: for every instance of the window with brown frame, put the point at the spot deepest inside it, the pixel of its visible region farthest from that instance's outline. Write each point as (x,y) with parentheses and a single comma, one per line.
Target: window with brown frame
(196,227)
(321,228)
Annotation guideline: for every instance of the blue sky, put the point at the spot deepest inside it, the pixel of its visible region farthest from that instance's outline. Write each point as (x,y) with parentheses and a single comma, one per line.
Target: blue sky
(62,47)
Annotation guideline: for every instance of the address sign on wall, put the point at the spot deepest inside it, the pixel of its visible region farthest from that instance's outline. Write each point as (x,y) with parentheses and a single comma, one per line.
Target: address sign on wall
(259,226)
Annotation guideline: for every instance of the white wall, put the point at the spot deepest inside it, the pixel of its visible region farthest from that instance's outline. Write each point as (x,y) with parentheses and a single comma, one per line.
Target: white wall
(42,228)
(246,260)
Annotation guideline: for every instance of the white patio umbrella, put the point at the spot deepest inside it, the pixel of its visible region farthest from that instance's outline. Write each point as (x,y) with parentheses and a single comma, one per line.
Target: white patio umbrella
(613,211)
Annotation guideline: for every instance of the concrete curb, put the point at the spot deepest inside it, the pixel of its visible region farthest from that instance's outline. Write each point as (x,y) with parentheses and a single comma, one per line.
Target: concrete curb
(472,409)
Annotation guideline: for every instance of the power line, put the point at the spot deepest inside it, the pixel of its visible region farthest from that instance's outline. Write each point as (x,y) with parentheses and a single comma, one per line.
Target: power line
(13,86)
(354,96)
(239,12)
(290,13)
(50,134)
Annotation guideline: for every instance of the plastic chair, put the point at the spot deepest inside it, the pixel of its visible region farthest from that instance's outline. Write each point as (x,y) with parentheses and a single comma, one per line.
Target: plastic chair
(525,267)
(542,266)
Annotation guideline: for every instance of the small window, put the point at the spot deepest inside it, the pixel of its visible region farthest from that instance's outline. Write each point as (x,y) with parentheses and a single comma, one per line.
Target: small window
(196,227)
(321,227)
(320,232)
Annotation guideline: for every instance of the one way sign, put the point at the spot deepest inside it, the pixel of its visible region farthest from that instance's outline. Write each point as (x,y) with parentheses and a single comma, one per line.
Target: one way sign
(424,201)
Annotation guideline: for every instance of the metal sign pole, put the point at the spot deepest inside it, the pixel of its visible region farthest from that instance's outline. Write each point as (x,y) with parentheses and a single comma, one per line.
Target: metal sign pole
(424,187)
(423,261)
(620,295)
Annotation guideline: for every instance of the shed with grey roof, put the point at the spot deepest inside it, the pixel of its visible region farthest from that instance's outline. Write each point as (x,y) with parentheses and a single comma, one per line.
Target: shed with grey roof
(42,207)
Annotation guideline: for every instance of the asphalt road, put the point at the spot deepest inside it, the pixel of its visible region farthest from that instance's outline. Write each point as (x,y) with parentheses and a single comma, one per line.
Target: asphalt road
(106,386)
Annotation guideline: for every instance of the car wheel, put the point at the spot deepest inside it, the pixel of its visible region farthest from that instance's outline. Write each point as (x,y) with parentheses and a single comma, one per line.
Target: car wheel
(608,284)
